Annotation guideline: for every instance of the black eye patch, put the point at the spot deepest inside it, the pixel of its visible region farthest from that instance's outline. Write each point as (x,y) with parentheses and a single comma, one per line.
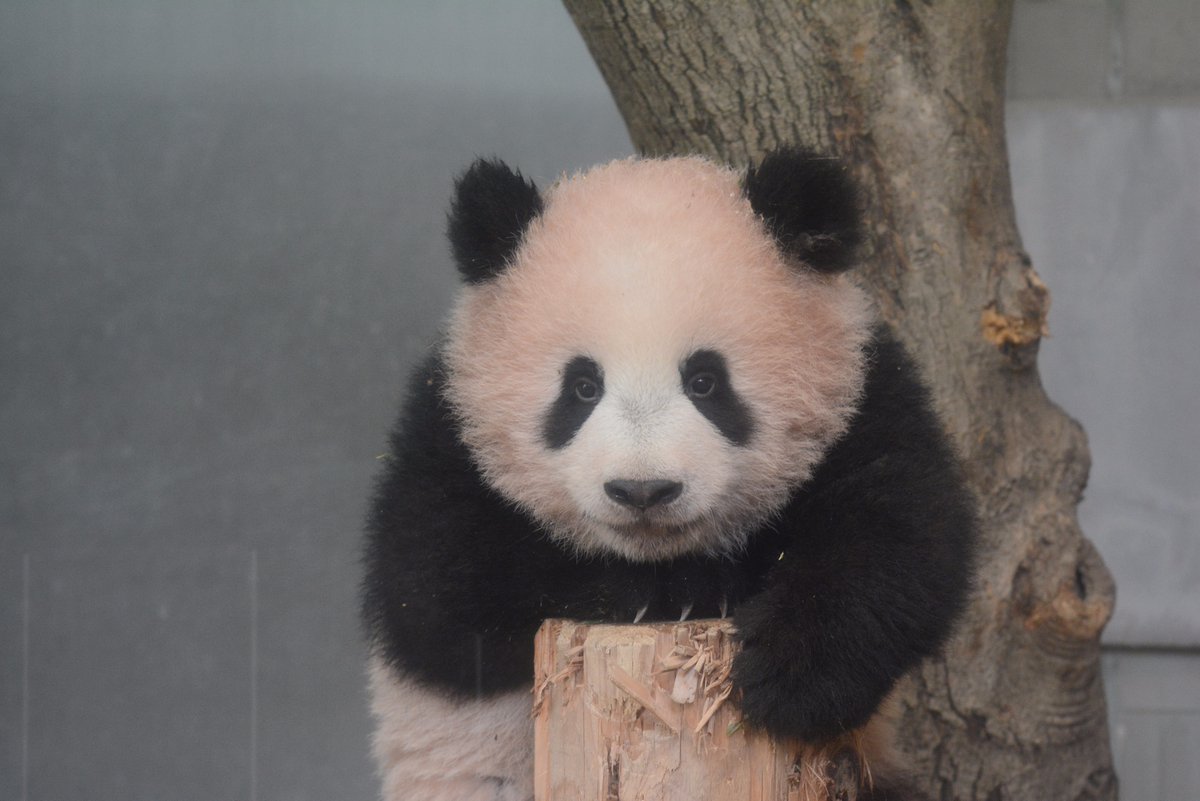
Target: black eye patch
(582,388)
(706,384)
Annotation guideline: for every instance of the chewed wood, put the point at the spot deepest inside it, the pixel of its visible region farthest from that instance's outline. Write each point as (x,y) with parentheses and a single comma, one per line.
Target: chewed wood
(645,713)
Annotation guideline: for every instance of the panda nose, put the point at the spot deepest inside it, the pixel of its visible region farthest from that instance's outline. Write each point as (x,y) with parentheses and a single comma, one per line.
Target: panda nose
(643,494)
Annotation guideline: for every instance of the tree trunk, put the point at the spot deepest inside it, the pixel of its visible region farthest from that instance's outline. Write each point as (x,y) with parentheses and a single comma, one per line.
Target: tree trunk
(911,96)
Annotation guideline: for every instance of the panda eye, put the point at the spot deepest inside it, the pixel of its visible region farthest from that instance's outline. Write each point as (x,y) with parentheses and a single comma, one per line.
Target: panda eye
(586,390)
(701,385)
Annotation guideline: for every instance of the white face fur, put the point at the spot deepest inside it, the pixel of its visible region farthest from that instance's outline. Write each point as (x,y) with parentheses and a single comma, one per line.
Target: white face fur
(638,266)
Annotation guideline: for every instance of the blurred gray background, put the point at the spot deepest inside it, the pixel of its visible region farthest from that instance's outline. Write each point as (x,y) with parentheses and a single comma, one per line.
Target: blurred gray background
(221,248)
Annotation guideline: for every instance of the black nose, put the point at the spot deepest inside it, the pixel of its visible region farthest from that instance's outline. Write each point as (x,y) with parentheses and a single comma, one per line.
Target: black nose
(643,494)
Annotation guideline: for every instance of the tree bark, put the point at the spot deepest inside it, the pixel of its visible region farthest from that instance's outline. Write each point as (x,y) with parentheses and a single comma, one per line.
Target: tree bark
(911,95)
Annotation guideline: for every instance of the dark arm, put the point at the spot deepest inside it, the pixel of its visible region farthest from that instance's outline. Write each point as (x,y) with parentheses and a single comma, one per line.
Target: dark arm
(875,570)
(458,580)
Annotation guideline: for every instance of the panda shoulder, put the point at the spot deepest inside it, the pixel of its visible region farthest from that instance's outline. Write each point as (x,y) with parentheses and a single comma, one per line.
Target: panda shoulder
(894,389)
(895,417)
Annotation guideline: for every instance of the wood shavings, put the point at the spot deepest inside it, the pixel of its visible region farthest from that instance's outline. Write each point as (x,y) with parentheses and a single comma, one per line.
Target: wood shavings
(712,708)
(647,697)
(573,664)
(683,691)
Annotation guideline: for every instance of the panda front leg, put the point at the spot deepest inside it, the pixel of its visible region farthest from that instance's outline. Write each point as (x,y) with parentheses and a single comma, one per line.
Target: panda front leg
(874,570)
(857,602)
(431,747)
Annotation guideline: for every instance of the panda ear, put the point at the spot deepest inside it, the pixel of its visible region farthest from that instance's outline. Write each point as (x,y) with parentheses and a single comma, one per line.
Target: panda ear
(810,206)
(492,207)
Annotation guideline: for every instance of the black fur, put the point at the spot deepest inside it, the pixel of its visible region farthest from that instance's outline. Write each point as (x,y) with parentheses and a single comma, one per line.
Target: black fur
(810,206)
(877,574)
(569,412)
(492,207)
(876,563)
(723,408)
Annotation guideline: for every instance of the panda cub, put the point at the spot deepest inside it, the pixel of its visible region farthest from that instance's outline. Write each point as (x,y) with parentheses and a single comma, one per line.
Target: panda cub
(659,396)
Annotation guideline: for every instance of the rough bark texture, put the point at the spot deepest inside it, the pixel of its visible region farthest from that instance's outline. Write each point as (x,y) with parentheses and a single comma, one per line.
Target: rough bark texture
(911,95)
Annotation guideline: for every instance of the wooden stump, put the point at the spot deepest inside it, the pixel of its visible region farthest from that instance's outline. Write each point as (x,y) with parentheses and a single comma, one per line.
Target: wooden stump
(643,713)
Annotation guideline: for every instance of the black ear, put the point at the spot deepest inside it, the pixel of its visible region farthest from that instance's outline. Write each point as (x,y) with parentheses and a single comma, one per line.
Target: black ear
(492,207)
(810,205)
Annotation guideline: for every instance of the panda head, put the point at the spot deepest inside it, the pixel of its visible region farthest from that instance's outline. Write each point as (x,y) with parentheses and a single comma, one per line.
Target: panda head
(650,357)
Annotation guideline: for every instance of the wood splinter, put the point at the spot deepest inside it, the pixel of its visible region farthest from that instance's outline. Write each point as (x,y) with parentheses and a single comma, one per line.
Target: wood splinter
(642,712)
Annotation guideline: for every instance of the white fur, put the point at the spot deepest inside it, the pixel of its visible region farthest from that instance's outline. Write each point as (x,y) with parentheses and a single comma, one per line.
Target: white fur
(644,428)
(637,264)
(432,748)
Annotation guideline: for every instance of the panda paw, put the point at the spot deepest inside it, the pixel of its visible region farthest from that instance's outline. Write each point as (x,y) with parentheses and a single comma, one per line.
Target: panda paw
(788,689)
(779,700)
(700,590)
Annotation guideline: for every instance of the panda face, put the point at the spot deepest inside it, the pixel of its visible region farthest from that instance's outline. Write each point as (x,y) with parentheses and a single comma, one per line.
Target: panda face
(649,449)
(649,375)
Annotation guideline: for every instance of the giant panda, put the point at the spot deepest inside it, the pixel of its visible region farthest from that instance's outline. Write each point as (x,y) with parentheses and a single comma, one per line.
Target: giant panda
(659,394)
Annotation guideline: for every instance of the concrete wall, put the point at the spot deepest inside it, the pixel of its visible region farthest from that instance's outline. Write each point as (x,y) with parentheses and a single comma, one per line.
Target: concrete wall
(1104,141)
(221,249)
(1095,50)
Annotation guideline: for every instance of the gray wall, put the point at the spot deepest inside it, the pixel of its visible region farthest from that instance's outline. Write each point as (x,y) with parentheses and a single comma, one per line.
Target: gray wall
(221,248)
(1104,142)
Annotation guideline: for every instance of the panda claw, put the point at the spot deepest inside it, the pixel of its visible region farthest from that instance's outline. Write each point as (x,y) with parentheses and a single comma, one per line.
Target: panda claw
(641,612)
(687,610)
(724,607)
